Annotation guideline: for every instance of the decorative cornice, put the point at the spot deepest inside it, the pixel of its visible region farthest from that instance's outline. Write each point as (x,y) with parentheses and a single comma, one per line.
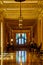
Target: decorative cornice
(19,2)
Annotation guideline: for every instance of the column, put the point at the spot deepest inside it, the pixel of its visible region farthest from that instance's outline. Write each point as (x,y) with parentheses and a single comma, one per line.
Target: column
(31,32)
(1,43)
(42,31)
(39,30)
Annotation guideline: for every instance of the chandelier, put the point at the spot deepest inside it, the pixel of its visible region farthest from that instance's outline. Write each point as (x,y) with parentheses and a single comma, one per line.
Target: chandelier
(19,0)
(20,18)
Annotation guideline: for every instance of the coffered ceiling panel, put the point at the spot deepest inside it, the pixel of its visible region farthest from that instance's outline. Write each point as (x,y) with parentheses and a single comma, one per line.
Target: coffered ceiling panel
(14,4)
(30,9)
(26,14)
(14,24)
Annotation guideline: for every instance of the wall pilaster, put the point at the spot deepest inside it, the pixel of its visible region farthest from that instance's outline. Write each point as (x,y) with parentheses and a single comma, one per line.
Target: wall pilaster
(1,36)
(40,30)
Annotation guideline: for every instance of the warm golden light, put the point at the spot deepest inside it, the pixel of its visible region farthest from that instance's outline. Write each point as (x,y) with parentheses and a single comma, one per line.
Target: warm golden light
(20,61)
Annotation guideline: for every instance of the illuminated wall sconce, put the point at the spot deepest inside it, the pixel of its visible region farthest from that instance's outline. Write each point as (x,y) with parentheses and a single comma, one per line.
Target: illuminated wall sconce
(11,40)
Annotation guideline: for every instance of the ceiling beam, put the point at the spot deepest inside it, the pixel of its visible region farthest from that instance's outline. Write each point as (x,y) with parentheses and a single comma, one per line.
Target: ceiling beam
(21,9)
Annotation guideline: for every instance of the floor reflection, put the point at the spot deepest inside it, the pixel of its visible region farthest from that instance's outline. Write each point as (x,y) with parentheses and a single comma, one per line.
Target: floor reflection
(34,59)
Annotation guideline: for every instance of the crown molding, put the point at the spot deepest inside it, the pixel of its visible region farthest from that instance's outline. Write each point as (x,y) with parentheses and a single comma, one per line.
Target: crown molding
(18,2)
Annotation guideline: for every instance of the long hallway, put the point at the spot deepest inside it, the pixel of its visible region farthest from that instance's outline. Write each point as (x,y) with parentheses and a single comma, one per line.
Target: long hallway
(21,32)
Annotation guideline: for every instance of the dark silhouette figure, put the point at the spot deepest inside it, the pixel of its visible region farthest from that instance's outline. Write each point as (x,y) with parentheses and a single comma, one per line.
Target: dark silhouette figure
(12,46)
(33,46)
(9,47)
(39,47)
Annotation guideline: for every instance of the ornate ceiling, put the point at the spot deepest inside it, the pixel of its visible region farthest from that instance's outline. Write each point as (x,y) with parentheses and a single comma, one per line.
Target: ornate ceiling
(30,9)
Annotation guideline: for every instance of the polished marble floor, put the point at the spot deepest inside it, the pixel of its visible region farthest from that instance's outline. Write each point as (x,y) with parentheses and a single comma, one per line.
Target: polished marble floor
(34,59)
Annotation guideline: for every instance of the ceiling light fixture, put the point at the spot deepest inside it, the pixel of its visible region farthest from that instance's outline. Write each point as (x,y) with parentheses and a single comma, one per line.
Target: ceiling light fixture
(20,18)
